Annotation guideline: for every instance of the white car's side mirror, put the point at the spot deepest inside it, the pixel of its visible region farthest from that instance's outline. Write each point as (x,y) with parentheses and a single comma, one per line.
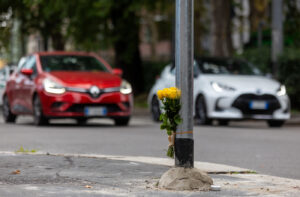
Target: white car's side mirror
(269,75)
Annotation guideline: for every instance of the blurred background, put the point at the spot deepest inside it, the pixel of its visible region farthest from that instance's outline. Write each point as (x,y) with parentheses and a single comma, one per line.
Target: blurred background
(138,36)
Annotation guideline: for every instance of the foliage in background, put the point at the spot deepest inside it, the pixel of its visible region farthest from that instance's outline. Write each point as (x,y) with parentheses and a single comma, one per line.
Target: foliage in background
(292,23)
(289,74)
(152,70)
(90,25)
(260,57)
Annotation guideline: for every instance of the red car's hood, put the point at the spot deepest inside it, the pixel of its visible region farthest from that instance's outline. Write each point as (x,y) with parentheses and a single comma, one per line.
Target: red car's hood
(86,79)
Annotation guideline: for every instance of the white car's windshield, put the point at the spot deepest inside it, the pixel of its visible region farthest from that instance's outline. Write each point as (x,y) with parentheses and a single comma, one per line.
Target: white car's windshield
(236,67)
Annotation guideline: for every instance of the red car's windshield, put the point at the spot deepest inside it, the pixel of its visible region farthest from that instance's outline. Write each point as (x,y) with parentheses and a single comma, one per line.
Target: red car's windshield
(71,63)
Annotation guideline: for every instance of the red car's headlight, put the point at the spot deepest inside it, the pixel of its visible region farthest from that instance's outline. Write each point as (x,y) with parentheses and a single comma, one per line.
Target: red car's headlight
(125,87)
(53,87)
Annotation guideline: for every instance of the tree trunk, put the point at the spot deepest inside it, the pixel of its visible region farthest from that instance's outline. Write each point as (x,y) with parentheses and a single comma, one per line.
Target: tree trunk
(258,13)
(58,41)
(199,27)
(126,43)
(221,28)
(45,42)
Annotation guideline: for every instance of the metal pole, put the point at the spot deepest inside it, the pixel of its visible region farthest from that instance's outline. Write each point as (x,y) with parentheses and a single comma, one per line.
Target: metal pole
(277,33)
(184,61)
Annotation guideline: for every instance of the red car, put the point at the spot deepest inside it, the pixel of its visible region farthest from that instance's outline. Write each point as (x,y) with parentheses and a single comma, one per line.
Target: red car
(67,85)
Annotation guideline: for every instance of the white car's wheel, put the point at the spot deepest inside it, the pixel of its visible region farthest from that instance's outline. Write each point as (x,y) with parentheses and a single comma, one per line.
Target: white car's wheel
(155,110)
(275,123)
(201,113)
(223,122)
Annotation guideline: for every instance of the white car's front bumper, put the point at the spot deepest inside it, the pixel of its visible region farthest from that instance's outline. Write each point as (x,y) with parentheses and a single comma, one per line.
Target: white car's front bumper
(224,106)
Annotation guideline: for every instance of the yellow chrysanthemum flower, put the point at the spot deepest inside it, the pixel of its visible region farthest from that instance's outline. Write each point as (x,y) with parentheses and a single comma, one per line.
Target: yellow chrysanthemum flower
(178,93)
(165,92)
(160,94)
(171,93)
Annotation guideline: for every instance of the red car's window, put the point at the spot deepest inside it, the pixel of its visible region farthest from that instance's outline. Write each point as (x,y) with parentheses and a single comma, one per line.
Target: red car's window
(71,63)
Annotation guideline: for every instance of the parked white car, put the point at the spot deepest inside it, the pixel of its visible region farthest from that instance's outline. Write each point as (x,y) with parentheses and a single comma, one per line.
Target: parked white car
(4,75)
(228,89)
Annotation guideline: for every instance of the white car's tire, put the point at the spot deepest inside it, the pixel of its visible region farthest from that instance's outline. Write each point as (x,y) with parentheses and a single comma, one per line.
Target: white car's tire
(223,122)
(275,123)
(201,112)
(155,109)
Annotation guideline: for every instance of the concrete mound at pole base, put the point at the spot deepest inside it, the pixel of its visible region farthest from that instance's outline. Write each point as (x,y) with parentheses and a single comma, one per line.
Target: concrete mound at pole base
(178,178)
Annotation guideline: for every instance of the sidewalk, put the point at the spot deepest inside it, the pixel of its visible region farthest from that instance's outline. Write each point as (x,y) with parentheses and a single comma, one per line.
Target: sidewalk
(59,175)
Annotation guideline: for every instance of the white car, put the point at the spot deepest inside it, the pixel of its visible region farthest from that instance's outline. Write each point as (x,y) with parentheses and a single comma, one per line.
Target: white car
(4,75)
(228,89)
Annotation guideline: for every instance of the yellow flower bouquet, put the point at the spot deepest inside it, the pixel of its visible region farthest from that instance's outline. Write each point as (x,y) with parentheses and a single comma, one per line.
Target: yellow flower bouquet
(170,98)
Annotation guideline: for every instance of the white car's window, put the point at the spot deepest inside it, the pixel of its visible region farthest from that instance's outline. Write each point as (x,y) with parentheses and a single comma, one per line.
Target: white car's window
(196,69)
(235,67)
(2,75)
(213,68)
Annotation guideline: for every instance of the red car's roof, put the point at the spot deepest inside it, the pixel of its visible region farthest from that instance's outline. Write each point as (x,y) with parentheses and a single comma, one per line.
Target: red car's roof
(64,53)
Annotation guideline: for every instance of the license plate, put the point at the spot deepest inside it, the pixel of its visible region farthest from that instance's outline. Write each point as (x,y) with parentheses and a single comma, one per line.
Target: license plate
(258,105)
(95,111)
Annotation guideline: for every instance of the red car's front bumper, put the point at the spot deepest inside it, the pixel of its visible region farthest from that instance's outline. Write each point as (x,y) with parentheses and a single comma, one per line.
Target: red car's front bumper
(73,104)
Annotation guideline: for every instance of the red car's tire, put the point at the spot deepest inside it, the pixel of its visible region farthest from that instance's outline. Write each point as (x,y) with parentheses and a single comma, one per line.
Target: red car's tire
(81,121)
(8,116)
(124,121)
(39,118)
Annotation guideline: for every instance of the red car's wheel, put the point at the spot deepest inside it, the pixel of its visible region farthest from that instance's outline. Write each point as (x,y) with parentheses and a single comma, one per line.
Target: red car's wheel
(8,116)
(81,121)
(39,118)
(124,121)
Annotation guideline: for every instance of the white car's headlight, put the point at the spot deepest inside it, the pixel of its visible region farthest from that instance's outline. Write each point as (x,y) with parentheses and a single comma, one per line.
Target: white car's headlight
(125,87)
(219,87)
(53,87)
(281,90)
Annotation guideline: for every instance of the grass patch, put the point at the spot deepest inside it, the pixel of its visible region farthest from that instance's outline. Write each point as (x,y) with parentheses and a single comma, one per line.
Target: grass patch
(140,101)
(22,150)
(295,111)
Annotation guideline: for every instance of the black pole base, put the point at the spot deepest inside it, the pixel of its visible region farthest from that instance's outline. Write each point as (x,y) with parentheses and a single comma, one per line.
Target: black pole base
(184,153)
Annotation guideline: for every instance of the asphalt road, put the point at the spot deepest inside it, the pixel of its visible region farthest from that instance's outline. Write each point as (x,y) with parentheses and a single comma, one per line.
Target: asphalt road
(244,144)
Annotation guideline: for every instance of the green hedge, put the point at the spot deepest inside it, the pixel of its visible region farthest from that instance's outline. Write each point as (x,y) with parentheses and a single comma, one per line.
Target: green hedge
(260,57)
(289,74)
(151,71)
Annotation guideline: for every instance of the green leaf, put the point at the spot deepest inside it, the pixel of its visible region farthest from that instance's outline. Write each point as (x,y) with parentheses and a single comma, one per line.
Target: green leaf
(169,132)
(177,119)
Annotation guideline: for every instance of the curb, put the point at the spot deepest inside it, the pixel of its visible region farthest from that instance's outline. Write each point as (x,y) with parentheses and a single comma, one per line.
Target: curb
(211,168)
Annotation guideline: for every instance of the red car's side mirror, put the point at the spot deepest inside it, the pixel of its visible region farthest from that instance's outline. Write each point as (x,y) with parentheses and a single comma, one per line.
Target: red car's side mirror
(27,72)
(118,71)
